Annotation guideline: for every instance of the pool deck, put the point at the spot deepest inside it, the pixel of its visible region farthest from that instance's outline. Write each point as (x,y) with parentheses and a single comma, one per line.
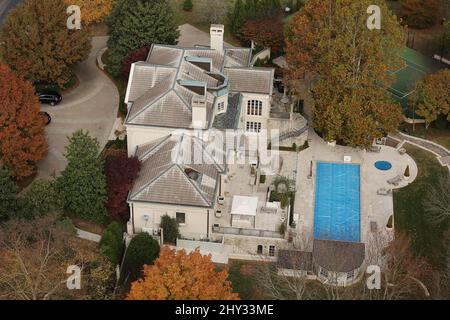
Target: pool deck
(375,209)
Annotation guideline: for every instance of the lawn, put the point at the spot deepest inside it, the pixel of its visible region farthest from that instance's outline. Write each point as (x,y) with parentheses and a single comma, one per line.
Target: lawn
(409,208)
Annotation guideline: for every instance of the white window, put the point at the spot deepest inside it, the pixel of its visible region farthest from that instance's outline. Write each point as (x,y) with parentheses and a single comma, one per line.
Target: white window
(221,106)
(253,126)
(181,218)
(254,108)
(271,251)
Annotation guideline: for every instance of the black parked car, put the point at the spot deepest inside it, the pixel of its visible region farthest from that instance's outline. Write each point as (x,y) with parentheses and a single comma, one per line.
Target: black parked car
(46,117)
(50,97)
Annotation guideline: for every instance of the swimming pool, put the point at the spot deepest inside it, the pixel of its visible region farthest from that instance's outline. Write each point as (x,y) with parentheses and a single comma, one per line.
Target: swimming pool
(337,202)
(383,165)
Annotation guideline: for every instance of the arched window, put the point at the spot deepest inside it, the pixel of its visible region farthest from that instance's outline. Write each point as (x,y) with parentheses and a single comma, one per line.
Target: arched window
(259,249)
(254,108)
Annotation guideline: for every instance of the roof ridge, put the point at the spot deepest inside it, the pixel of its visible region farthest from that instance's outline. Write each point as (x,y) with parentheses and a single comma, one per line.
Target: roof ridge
(199,191)
(163,140)
(146,185)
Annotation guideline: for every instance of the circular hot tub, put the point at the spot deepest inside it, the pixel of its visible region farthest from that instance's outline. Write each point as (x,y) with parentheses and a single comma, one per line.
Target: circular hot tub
(383,165)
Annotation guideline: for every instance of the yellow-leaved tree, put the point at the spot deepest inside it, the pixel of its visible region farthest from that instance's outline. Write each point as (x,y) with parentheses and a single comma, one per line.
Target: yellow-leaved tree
(92,11)
(176,275)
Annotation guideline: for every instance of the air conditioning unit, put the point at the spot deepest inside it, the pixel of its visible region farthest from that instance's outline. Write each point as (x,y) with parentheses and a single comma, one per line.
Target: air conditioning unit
(218,213)
(221,200)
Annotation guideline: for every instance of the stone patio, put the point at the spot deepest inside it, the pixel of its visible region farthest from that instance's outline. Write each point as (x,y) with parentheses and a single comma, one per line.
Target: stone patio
(375,208)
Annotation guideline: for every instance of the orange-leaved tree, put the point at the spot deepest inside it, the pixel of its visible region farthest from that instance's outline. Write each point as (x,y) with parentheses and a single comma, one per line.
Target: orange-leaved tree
(177,275)
(22,136)
(92,11)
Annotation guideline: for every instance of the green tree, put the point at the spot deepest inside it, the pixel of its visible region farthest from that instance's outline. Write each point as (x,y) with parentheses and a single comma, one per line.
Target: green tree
(41,198)
(136,23)
(142,250)
(82,185)
(8,196)
(188,5)
(170,229)
(330,41)
(432,96)
(36,42)
(111,243)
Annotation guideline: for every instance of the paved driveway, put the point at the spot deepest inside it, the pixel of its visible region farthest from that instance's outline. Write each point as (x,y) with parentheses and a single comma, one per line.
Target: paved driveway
(91,106)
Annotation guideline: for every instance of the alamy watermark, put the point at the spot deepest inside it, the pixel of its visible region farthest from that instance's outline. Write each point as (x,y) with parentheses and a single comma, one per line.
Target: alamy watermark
(74,280)
(74,19)
(374,20)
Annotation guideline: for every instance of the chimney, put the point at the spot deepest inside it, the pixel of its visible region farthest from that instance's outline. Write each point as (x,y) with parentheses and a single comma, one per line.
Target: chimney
(198,104)
(216,32)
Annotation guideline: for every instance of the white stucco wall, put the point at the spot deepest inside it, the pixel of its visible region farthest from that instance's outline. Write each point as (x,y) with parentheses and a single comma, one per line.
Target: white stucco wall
(196,218)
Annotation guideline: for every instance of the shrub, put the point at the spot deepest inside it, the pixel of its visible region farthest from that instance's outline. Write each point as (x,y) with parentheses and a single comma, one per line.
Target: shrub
(142,250)
(262,179)
(170,229)
(41,198)
(121,172)
(407,174)
(282,229)
(188,5)
(134,56)
(111,244)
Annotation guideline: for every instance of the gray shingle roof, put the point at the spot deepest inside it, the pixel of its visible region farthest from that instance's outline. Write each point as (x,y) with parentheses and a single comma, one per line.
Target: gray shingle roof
(170,174)
(295,260)
(255,80)
(158,98)
(229,119)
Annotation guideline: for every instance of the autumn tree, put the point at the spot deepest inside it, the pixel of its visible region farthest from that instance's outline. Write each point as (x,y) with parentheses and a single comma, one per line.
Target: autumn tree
(134,56)
(420,14)
(329,41)
(432,96)
(213,11)
(266,32)
(177,275)
(137,23)
(121,172)
(22,136)
(92,11)
(82,184)
(37,44)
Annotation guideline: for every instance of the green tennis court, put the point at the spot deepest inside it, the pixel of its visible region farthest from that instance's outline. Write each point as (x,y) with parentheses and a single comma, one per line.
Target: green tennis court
(417,66)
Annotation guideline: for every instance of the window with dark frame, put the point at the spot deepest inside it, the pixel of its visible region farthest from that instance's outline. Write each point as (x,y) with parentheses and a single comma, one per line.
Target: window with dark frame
(272,251)
(259,249)
(181,218)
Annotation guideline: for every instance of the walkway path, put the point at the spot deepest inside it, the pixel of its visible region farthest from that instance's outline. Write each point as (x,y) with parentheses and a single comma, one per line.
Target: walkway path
(92,106)
(88,235)
(442,154)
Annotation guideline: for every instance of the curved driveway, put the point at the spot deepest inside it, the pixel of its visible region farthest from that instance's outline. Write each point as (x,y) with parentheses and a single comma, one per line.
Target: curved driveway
(92,106)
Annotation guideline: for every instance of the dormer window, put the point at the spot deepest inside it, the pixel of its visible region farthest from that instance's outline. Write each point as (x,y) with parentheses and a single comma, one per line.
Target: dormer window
(192,174)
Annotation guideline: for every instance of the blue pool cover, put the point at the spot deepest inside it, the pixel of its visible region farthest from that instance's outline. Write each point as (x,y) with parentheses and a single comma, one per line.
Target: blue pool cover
(337,202)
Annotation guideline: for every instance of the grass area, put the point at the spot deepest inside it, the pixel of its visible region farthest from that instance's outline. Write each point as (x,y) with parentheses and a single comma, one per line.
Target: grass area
(196,17)
(438,135)
(409,208)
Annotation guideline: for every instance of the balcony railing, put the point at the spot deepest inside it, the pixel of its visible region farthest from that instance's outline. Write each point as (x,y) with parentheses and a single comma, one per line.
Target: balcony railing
(248,232)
